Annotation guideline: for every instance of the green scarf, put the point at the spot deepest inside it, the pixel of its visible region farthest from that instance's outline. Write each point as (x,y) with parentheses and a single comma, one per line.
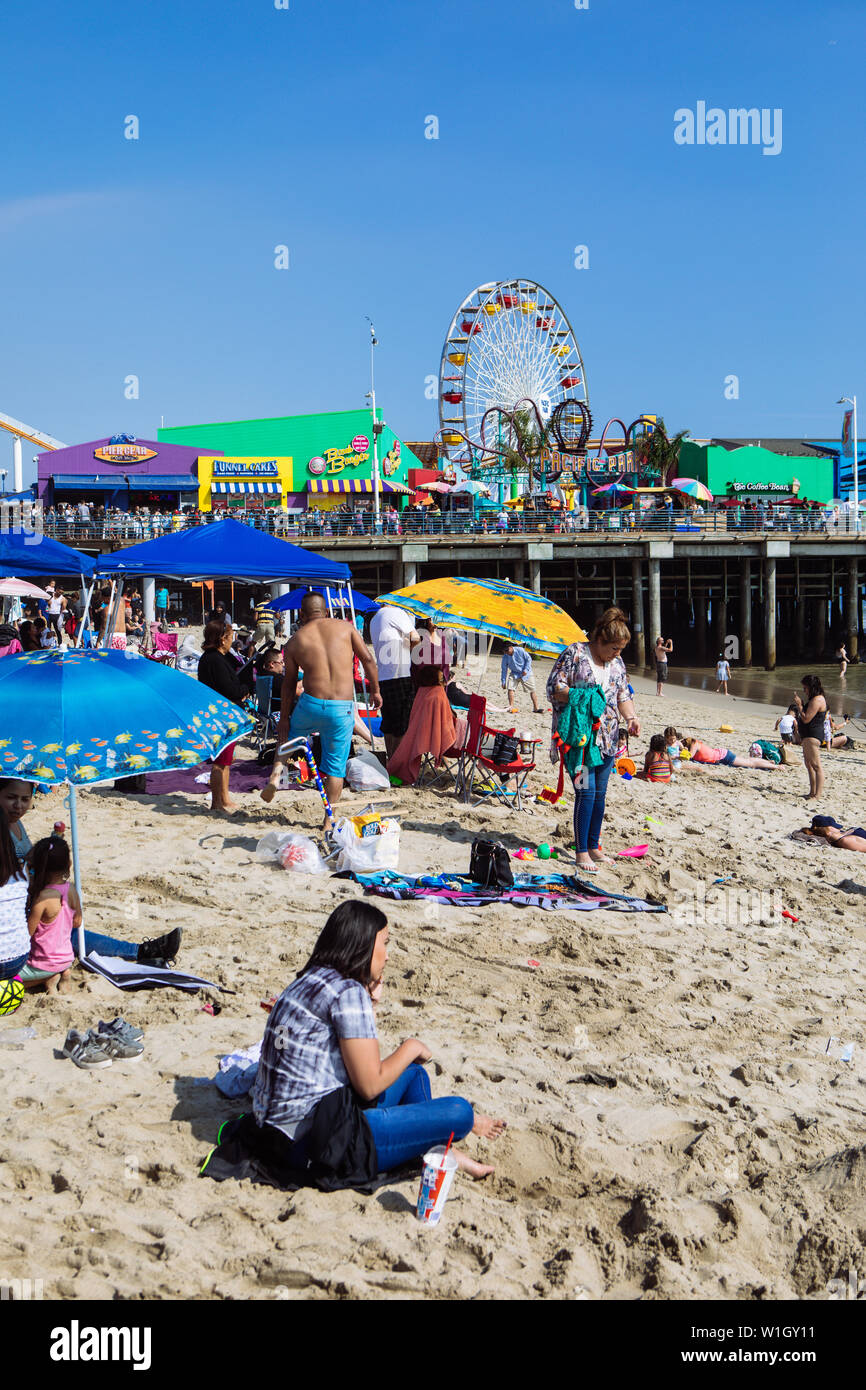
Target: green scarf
(577,728)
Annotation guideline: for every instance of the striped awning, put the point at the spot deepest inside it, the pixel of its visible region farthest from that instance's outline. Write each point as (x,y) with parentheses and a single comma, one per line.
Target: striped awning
(353,485)
(271,489)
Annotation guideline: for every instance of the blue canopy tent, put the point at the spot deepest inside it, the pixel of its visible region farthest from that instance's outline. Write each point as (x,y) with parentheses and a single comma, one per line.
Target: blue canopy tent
(224,550)
(333,597)
(28,555)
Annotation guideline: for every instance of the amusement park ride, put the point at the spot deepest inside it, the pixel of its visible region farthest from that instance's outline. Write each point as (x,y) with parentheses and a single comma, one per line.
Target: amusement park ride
(513,396)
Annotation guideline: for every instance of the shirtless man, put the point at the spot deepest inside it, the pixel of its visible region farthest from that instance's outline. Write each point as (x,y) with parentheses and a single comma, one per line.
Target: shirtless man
(323,649)
(117,638)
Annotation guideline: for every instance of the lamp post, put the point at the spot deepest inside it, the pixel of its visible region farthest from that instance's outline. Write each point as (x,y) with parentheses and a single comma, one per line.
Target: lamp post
(371,396)
(852,401)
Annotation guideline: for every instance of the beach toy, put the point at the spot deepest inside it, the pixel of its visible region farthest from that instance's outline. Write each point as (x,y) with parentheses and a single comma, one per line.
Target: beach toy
(626,768)
(523,854)
(303,746)
(653,820)
(549,794)
(636,852)
(727,879)
(790,916)
(534,964)
(544,851)
(436,1180)
(685,755)
(626,776)
(11,995)
(726,728)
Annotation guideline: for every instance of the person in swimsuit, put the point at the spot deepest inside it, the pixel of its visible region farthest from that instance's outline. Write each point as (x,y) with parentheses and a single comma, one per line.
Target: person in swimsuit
(662,649)
(810,722)
(658,765)
(724,757)
(830,830)
(842,658)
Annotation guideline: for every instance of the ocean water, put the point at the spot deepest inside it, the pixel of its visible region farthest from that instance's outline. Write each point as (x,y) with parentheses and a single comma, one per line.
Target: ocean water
(845,695)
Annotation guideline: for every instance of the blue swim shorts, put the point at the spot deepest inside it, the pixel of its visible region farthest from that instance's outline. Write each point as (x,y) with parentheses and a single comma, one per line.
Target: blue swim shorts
(728,759)
(333,721)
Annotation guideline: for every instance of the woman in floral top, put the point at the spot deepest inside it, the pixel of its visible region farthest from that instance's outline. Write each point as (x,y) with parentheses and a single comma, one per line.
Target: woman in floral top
(596,662)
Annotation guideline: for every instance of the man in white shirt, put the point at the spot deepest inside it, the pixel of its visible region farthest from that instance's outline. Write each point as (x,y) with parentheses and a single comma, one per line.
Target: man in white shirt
(393,635)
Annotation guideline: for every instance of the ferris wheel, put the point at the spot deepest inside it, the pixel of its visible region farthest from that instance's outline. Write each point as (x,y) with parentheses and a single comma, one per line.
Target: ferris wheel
(510,342)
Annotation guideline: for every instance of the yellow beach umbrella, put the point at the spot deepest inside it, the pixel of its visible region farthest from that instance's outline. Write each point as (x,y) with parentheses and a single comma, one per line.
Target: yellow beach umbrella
(492,606)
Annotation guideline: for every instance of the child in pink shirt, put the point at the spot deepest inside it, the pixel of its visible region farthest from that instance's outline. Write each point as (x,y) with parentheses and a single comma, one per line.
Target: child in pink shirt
(53,911)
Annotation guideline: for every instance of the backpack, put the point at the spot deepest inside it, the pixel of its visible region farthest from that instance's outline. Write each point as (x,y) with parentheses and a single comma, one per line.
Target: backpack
(489,864)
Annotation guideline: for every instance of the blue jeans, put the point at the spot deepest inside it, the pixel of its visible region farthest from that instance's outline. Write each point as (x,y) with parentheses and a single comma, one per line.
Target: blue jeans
(589,804)
(406,1122)
(9,968)
(105,945)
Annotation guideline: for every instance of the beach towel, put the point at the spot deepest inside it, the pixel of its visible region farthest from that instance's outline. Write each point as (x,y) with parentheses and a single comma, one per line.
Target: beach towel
(432,729)
(552,892)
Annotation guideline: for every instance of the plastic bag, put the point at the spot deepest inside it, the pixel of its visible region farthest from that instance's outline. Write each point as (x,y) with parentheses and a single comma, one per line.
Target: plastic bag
(364,854)
(297,852)
(365,773)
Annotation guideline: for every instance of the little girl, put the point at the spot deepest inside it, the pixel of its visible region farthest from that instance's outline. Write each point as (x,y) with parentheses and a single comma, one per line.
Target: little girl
(673,745)
(53,911)
(657,764)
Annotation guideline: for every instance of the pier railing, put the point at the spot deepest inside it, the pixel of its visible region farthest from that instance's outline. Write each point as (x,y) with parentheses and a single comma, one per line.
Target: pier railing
(126,529)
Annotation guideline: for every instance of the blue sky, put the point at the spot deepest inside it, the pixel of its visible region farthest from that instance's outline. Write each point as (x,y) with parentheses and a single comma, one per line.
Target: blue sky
(305,127)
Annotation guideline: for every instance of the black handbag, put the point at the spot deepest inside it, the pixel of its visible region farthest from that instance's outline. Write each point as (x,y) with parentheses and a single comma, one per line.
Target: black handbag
(490,865)
(505,749)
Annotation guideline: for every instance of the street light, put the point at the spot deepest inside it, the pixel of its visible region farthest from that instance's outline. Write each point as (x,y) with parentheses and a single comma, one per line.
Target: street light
(852,401)
(371,397)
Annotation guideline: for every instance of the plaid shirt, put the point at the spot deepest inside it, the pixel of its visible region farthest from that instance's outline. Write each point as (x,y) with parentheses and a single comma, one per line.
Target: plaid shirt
(574,667)
(301,1060)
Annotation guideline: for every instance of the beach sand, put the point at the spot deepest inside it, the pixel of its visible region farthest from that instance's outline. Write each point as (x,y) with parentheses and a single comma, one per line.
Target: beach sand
(677,1127)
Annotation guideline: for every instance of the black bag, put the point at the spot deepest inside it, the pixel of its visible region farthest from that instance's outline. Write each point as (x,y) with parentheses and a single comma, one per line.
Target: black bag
(489,864)
(505,749)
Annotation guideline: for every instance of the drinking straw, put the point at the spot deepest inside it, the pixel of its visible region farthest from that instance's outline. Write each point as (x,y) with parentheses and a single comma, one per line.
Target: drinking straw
(447,1147)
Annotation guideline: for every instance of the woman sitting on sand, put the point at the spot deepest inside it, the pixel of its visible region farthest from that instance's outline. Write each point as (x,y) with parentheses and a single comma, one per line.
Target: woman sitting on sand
(724,757)
(325,1103)
(826,828)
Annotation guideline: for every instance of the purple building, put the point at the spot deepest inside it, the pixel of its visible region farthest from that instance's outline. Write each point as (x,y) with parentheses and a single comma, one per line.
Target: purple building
(126,475)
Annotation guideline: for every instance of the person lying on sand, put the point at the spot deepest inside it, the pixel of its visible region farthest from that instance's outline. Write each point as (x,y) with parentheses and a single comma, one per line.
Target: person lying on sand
(703,753)
(321,1036)
(826,828)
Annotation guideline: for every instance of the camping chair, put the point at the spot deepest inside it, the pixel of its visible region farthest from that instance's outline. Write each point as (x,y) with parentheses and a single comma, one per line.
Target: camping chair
(163,646)
(267,720)
(475,759)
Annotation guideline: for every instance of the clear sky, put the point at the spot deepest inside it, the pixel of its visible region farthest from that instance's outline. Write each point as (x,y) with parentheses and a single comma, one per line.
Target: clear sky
(305,127)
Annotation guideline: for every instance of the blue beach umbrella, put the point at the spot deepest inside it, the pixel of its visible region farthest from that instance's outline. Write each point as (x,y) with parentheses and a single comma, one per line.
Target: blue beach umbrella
(84,718)
(339,599)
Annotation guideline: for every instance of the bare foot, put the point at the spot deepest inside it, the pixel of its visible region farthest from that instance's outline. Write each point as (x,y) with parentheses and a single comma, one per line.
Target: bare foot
(269,792)
(488,1128)
(468,1165)
(598,857)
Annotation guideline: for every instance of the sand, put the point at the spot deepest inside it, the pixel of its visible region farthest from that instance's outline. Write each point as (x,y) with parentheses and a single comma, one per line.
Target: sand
(677,1126)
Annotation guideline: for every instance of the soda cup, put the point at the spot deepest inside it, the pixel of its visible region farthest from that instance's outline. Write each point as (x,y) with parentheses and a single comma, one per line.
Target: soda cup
(436,1183)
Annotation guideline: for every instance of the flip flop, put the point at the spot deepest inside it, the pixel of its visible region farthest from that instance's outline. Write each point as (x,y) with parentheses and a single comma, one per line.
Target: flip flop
(585,869)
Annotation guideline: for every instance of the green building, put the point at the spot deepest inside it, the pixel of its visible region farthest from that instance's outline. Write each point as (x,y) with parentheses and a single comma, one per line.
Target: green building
(295,461)
(752,470)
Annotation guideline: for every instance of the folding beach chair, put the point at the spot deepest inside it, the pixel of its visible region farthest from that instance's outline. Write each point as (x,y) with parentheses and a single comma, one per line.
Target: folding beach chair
(162,647)
(505,781)
(267,719)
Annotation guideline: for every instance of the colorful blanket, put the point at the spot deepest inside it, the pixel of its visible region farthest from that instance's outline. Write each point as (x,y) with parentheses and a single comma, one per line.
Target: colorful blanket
(553,892)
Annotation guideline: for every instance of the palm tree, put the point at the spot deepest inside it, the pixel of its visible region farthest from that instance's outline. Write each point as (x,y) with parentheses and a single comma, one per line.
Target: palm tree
(656,455)
(524,442)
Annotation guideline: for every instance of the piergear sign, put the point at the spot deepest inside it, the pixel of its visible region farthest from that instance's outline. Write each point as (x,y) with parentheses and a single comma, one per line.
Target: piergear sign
(124,453)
